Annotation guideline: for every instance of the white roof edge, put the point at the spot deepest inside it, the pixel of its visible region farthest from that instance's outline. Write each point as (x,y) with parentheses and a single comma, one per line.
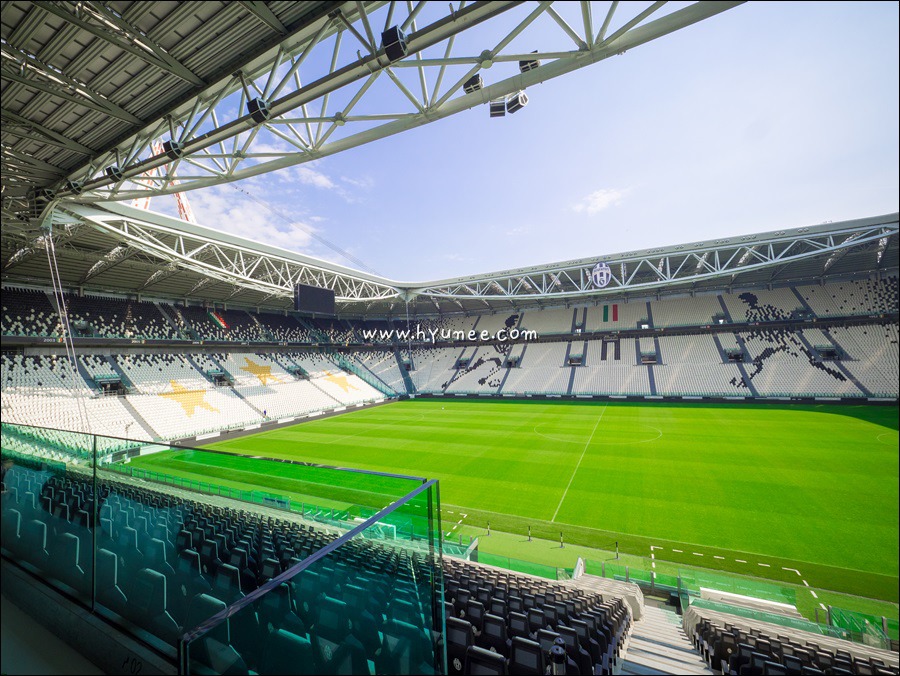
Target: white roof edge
(235,240)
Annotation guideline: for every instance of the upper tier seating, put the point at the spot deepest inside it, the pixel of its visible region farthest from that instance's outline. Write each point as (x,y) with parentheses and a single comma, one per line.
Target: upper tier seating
(852,298)
(27,312)
(697,311)
(109,317)
(284,328)
(548,322)
(761,305)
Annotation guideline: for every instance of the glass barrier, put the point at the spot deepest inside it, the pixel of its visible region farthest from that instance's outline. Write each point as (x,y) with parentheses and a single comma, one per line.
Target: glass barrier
(48,511)
(155,555)
(693,580)
(862,627)
(363,604)
(772,618)
(516,565)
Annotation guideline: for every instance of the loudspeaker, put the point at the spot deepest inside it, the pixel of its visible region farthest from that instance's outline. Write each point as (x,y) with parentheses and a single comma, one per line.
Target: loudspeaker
(473,84)
(516,102)
(75,187)
(498,108)
(531,64)
(173,149)
(114,173)
(393,41)
(259,110)
(37,200)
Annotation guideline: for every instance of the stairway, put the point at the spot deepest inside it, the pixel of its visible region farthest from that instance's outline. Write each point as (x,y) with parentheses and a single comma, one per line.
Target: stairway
(659,645)
(139,419)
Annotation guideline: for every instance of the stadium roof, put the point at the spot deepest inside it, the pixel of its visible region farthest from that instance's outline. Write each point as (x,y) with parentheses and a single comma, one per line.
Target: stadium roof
(92,89)
(120,248)
(105,100)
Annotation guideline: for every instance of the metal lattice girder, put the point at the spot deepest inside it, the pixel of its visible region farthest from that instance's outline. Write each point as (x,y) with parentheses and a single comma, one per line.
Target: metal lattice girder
(670,266)
(324,86)
(178,245)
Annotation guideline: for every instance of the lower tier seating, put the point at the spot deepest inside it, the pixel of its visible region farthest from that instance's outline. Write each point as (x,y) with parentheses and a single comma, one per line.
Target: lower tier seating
(734,645)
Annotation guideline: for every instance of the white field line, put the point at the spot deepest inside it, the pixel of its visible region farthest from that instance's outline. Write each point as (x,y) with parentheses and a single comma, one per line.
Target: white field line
(823,607)
(721,558)
(678,550)
(696,553)
(740,560)
(583,451)
(764,565)
(815,596)
(793,570)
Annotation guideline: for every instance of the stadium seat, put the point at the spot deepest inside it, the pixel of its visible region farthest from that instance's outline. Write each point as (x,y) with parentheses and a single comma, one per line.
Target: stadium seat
(287,653)
(459,638)
(481,662)
(526,657)
(109,593)
(493,635)
(213,649)
(147,605)
(405,650)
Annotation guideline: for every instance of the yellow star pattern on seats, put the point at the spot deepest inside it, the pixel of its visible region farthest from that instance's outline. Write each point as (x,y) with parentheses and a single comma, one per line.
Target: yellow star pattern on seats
(190,400)
(264,373)
(340,381)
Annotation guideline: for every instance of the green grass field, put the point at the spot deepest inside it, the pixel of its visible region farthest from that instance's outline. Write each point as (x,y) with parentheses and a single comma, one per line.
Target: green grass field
(785,492)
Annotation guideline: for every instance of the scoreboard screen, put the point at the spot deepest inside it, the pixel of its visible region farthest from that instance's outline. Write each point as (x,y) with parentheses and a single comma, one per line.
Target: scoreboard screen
(313,299)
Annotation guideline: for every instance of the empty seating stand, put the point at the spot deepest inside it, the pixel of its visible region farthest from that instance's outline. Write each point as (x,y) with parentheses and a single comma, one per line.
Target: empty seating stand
(518,619)
(732,645)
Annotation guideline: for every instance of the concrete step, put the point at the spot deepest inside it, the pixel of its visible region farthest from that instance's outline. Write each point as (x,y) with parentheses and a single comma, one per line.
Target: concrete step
(659,645)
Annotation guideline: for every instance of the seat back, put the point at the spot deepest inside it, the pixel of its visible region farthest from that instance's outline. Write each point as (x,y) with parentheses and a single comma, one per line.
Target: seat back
(526,657)
(460,636)
(481,662)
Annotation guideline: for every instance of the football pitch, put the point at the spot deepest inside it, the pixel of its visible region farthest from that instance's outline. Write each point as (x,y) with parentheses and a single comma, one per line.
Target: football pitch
(775,491)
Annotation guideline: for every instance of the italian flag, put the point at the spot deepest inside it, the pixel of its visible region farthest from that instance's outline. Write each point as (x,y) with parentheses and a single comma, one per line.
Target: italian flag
(217,320)
(615,312)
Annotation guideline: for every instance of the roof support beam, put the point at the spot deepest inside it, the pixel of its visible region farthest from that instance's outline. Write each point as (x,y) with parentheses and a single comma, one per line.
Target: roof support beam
(151,52)
(262,12)
(47,135)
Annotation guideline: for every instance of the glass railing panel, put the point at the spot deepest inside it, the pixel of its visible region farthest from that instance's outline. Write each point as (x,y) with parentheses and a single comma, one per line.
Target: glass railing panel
(773,618)
(133,544)
(366,603)
(48,506)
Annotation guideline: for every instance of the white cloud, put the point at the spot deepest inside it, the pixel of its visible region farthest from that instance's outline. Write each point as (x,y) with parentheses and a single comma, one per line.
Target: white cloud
(599,200)
(223,208)
(311,176)
(365,183)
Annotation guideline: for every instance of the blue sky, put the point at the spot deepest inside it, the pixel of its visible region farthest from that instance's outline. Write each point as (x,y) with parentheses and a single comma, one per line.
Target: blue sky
(769,115)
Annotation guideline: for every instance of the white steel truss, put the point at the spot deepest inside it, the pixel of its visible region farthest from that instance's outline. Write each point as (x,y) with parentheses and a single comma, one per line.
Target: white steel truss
(669,266)
(333,86)
(177,245)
